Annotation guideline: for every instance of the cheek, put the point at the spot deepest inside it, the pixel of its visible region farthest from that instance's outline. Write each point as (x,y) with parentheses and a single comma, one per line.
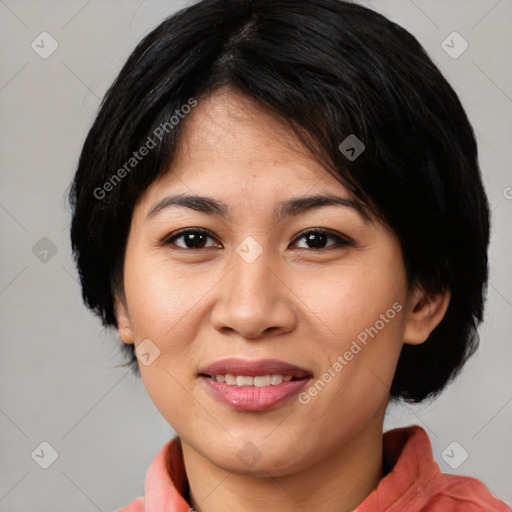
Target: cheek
(160,299)
(361,310)
(162,310)
(348,300)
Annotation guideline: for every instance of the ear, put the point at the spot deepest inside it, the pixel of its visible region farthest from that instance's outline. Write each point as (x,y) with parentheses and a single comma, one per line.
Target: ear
(123,319)
(424,314)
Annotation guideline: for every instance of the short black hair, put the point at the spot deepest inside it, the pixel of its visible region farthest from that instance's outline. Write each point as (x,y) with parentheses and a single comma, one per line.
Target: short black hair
(327,69)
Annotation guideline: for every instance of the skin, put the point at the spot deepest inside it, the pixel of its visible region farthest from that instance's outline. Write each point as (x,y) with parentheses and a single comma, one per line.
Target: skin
(297,303)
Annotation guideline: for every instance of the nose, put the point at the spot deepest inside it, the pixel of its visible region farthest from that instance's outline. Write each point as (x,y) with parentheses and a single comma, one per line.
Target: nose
(254,299)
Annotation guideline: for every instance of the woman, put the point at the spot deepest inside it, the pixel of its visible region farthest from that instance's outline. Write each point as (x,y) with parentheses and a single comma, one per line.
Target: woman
(279,207)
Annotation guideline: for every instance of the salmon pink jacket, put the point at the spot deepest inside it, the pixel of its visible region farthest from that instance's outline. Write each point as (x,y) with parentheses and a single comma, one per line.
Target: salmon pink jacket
(414,483)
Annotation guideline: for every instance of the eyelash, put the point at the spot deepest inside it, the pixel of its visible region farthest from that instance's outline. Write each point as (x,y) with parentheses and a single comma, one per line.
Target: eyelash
(342,241)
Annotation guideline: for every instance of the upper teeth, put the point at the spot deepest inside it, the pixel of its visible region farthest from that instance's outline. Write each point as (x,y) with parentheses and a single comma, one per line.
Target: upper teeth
(259,381)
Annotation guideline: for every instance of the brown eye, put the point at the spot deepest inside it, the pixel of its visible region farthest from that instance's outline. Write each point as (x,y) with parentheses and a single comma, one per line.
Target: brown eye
(317,239)
(191,239)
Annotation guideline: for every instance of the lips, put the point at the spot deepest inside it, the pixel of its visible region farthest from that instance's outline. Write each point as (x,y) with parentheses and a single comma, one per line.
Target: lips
(237,366)
(260,385)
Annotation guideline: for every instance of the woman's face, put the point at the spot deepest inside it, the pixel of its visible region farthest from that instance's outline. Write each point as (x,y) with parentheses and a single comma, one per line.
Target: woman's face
(312,287)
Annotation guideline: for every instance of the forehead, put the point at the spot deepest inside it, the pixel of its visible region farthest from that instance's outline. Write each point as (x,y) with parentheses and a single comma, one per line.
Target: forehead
(230,143)
(227,116)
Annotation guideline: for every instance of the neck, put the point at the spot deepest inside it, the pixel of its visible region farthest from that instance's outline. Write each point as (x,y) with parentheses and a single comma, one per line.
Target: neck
(337,483)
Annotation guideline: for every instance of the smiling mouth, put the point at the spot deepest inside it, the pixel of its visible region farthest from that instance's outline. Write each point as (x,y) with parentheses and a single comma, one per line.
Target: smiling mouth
(256,393)
(258,381)
(253,385)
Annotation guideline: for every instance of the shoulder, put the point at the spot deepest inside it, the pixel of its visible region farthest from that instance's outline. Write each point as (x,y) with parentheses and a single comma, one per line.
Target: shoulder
(463,494)
(416,483)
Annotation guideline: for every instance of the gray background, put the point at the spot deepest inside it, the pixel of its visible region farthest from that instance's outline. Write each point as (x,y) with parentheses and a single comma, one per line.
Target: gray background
(58,381)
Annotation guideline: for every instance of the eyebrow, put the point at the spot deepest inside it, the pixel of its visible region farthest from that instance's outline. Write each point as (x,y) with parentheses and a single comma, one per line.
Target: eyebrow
(290,207)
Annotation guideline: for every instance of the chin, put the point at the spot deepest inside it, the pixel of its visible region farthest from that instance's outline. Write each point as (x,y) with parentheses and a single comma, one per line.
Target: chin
(259,459)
